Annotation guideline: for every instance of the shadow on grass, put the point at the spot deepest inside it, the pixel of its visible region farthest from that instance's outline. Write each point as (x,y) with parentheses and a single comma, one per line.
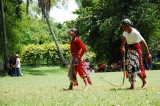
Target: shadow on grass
(26,70)
(121,89)
(117,89)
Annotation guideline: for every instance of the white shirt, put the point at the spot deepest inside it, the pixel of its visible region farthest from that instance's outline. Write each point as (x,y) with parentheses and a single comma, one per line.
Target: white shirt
(18,64)
(133,37)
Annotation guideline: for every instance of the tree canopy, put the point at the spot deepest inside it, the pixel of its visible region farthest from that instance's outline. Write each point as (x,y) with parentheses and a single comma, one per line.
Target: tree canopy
(22,29)
(100,23)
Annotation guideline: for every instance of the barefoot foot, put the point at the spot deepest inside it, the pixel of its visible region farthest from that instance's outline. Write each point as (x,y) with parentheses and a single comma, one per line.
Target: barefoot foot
(144,85)
(86,89)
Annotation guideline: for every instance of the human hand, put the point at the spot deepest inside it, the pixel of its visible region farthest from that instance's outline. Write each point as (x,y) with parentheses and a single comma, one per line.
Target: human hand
(79,59)
(123,50)
(149,58)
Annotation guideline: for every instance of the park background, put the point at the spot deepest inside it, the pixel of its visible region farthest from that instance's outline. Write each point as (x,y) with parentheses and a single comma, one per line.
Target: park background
(28,30)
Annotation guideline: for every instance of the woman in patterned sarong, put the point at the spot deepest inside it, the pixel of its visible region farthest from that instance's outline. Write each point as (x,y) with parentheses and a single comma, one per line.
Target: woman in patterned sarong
(134,54)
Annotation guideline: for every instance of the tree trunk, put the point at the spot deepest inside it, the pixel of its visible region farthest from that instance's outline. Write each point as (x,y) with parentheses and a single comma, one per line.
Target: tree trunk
(56,42)
(53,35)
(4,36)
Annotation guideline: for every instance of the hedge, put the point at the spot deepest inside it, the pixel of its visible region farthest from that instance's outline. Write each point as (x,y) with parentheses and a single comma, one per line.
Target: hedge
(43,54)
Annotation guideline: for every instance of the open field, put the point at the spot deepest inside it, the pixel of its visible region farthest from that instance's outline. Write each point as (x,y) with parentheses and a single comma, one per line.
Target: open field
(44,87)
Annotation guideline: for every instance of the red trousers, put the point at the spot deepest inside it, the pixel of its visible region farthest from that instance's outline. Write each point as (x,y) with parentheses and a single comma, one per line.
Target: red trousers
(139,49)
(82,71)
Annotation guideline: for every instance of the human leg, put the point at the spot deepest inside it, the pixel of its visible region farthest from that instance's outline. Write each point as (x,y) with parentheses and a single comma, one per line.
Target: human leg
(15,72)
(132,79)
(83,74)
(18,71)
(70,86)
(135,66)
(21,74)
(72,76)
(86,83)
(144,85)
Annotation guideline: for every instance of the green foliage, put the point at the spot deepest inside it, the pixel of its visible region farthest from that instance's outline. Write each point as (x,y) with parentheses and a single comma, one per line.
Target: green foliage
(66,51)
(154,41)
(23,30)
(32,54)
(11,10)
(43,54)
(29,29)
(100,24)
(61,31)
(90,55)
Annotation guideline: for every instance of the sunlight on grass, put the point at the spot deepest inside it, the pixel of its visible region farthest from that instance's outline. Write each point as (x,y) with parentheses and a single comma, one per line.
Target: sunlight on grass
(47,90)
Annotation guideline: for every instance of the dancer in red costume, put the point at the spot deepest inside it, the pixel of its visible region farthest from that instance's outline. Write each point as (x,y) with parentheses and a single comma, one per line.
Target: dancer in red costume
(77,49)
(134,53)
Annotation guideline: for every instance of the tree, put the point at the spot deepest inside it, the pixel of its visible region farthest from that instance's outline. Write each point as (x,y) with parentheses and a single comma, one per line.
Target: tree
(17,31)
(4,36)
(45,7)
(102,21)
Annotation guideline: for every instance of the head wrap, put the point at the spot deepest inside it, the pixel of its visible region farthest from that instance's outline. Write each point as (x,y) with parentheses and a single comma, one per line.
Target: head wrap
(126,22)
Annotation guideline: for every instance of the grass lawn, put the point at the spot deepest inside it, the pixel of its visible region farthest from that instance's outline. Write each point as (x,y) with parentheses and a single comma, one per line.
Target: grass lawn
(43,86)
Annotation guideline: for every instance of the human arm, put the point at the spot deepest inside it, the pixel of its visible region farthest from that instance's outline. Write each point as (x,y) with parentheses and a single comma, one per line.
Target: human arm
(17,62)
(122,48)
(82,47)
(149,56)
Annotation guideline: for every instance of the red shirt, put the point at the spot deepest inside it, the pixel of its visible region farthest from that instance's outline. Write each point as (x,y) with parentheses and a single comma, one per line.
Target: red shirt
(77,47)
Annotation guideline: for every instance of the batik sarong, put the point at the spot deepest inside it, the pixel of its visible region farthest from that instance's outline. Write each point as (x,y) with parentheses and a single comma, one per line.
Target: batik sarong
(133,66)
(77,68)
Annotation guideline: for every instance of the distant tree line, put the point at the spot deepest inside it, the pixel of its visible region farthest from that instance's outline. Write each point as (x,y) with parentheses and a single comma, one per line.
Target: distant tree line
(100,24)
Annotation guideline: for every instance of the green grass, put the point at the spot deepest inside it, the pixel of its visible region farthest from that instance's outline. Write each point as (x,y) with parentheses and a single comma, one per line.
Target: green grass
(43,86)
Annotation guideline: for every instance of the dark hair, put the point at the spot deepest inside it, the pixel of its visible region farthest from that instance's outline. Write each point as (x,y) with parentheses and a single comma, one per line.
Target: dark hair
(76,30)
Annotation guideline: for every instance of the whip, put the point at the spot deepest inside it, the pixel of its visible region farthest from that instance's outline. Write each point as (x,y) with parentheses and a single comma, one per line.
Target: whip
(123,61)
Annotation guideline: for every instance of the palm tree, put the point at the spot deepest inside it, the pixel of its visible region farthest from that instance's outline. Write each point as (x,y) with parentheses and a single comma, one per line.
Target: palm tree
(45,7)
(4,36)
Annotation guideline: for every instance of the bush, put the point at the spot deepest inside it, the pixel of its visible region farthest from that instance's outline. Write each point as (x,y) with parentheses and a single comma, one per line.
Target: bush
(43,54)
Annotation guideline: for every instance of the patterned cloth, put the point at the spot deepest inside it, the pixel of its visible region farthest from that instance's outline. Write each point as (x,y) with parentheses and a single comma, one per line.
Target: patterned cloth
(133,66)
(77,68)
(72,73)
